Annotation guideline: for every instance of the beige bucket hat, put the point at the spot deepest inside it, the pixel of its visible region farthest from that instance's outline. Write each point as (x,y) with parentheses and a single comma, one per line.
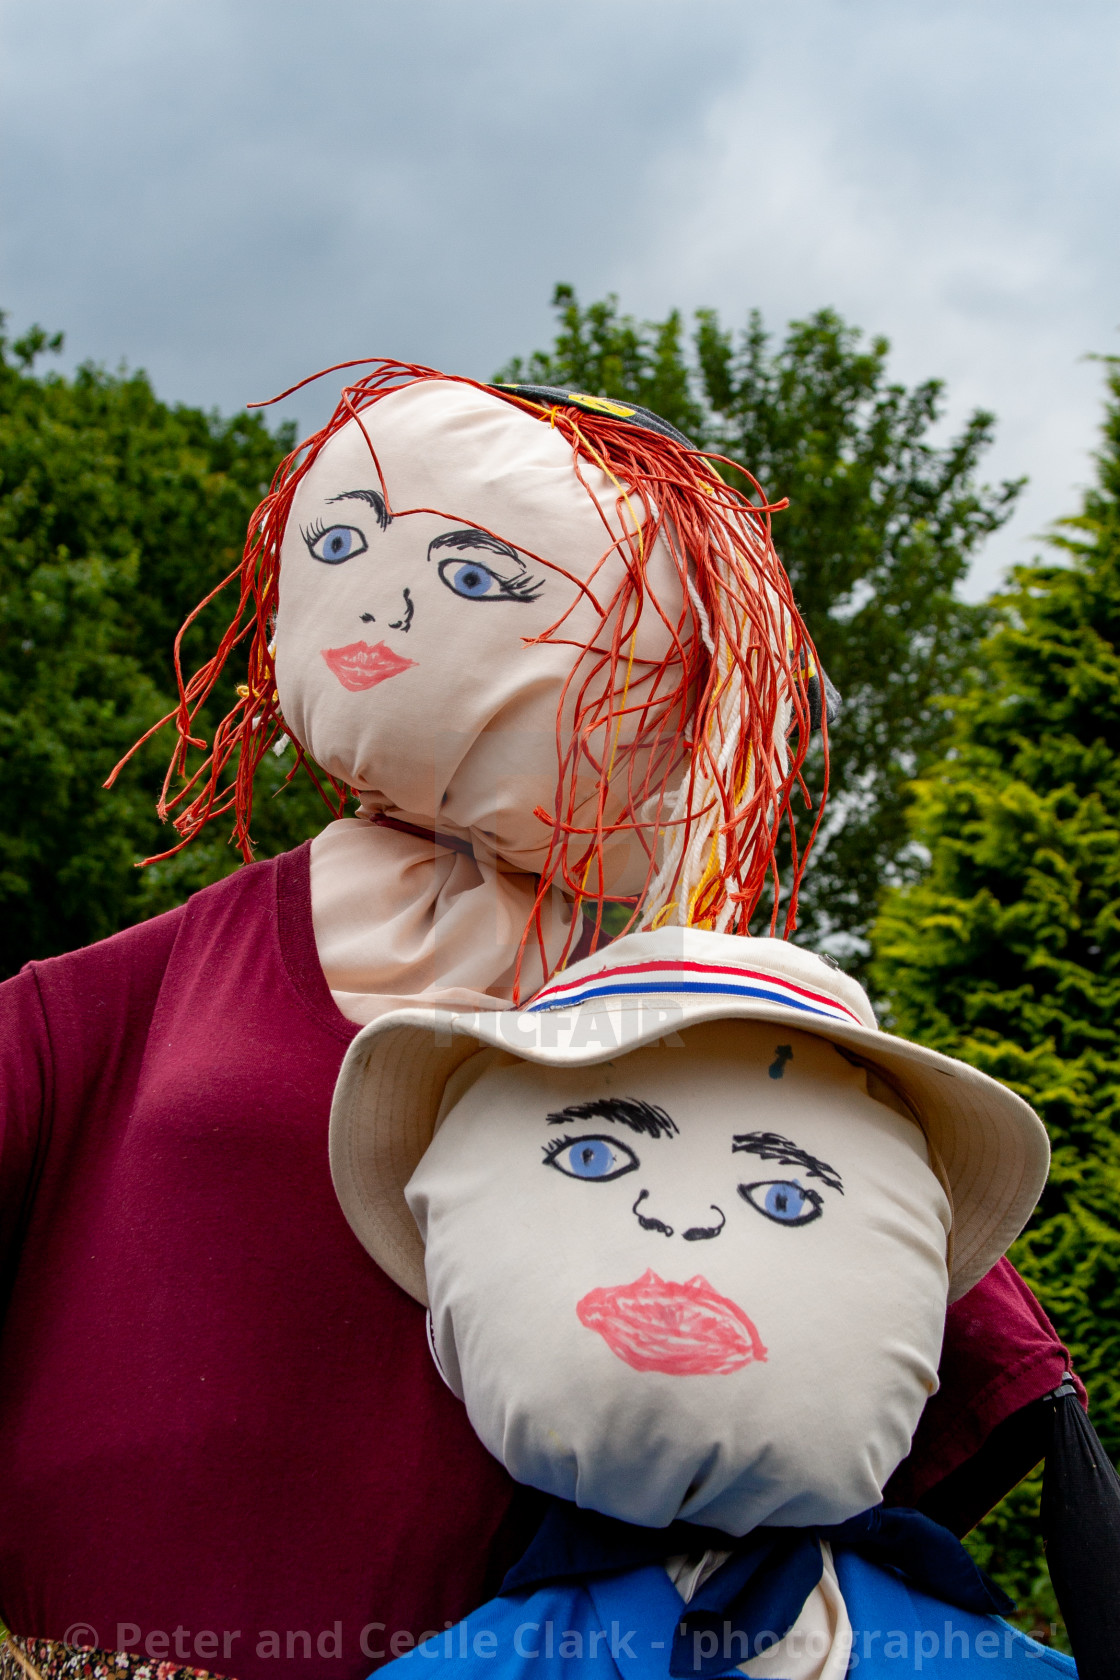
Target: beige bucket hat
(991,1145)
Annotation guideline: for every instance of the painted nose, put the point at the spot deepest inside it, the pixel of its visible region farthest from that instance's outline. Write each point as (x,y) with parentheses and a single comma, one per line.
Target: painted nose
(403,610)
(691,1233)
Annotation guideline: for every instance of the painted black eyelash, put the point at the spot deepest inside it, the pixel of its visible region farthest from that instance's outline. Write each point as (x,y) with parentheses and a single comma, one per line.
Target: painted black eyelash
(524,588)
(555,1145)
(311,534)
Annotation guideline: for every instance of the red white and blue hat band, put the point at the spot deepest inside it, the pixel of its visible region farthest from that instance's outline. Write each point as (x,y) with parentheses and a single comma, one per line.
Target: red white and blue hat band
(677,977)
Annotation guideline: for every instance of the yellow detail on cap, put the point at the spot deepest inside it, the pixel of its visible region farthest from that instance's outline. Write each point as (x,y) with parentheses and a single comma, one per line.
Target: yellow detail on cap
(619,410)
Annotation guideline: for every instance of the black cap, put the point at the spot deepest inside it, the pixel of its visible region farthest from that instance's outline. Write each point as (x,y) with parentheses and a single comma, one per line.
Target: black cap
(631,412)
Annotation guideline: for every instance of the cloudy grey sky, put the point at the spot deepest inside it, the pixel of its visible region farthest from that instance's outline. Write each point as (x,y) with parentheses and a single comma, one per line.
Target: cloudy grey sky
(232,193)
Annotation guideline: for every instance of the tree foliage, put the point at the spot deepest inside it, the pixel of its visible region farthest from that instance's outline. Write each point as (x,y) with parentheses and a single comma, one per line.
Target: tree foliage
(117,514)
(881,528)
(1007,953)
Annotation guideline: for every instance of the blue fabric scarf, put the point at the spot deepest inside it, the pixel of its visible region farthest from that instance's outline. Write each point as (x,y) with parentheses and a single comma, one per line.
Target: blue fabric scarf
(763,1585)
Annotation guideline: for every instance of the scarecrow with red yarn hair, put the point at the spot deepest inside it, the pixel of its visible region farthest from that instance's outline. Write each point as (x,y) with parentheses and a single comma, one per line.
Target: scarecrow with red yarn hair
(556,660)
(635,728)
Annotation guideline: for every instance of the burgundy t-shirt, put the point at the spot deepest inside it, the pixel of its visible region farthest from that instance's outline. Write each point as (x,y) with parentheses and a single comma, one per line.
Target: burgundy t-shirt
(222,1438)
(216,1413)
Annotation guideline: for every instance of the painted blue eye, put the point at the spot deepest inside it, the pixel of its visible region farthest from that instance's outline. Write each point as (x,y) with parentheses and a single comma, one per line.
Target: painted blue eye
(468,578)
(339,543)
(597,1158)
(783,1200)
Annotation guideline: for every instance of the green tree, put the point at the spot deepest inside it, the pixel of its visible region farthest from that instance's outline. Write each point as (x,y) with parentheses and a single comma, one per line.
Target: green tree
(1007,953)
(117,514)
(881,528)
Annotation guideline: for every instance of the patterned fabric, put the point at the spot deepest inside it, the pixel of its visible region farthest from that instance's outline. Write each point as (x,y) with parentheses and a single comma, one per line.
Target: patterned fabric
(49,1659)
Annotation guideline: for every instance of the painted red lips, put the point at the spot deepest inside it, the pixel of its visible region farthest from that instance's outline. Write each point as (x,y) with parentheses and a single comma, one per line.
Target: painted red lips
(684,1329)
(360,666)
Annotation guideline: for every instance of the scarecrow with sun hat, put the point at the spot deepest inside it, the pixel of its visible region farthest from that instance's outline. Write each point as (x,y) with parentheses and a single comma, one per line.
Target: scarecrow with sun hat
(557,662)
(686,1229)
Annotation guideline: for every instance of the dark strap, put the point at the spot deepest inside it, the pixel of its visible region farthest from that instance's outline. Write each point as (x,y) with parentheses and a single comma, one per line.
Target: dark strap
(1081,1530)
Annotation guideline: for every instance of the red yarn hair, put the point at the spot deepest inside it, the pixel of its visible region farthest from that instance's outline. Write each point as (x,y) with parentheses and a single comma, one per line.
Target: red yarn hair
(728,706)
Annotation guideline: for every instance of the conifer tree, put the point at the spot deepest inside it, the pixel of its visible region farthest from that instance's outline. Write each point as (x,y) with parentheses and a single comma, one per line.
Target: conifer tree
(1008,951)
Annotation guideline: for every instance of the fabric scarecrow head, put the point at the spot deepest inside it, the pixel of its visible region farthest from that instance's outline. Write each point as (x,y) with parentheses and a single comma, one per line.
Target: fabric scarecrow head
(687,1225)
(431,548)
(537,624)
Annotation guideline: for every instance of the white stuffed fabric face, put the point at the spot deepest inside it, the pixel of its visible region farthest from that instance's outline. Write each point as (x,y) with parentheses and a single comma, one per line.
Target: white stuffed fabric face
(703,1281)
(405,659)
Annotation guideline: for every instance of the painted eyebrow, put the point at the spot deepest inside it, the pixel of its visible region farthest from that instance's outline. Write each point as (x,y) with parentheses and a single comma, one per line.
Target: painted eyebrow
(641,1117)
(372,498)
(470,538)
(771,1146)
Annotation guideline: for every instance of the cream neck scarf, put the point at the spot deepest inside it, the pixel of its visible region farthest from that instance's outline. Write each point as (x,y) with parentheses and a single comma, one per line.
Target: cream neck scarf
(399,919)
